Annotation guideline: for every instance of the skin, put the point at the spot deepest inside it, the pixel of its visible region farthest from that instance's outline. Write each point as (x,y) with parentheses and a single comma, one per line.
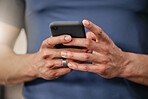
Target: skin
(17,68)
(107,59)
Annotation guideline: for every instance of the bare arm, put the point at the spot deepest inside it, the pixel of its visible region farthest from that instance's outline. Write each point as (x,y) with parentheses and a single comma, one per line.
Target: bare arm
(137,69)
(107,59)
(44,64)
(13,67)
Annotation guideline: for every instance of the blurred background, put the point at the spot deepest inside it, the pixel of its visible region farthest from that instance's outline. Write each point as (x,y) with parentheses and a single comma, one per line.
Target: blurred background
(15,91)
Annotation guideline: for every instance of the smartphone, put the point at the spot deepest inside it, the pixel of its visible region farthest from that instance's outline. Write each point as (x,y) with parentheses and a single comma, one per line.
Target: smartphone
(73,28)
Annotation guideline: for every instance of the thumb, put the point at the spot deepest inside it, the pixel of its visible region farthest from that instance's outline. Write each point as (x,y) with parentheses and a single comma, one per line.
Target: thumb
(52,41)
(98,32)
(91,36)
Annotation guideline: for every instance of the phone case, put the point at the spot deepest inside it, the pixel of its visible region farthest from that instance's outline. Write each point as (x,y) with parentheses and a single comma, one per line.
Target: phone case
(73,28)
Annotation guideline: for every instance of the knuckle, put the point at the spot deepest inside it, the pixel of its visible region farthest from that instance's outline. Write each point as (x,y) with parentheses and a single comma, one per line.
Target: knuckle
(86,68)
(46,77)
(61,38)
(96,31)
(68,70)
(86,57)
(53,74)
(105,60)
(39,69)
(103,70)
(44,71)
(50,64)
(100,31)
(46,54)
(87,42)
(48,42)
(105,49)
(70,55)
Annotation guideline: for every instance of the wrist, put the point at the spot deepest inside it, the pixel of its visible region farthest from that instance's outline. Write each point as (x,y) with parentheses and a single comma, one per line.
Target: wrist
(136,69)
(127,70)
(17,70)
(27,68)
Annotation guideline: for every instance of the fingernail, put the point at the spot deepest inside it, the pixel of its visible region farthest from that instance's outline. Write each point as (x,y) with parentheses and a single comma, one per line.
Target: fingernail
(71,65)
(63,54)
(68,38)
(86,22)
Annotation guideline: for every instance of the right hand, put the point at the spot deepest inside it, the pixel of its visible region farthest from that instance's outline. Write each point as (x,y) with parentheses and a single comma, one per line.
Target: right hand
(46,62)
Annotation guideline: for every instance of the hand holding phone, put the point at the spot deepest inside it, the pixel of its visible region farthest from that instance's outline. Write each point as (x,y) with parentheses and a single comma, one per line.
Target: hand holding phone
(73,28)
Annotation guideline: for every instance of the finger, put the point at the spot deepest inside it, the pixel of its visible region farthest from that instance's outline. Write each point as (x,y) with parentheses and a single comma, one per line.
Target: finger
(100,34)
(56,53)
(52,41)
(74,49)
(90,44)
(87,67)
(85,57)
(91,36)
(55,63)
(51,54)
(60,71)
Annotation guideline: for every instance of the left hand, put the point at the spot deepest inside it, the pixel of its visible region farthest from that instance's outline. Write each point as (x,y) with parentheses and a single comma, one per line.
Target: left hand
(107,59)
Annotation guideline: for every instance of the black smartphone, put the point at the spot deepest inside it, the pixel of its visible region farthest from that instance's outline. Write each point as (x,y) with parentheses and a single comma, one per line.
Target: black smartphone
(73,28)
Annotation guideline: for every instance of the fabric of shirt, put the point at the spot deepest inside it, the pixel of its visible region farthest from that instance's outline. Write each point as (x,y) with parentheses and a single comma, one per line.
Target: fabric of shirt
(124,21)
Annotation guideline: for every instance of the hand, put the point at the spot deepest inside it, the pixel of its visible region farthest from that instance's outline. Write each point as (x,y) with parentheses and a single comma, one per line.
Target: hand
(107,59)
(47,61)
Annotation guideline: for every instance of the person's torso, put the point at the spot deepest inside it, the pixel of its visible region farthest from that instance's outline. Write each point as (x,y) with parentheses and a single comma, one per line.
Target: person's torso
(125,21)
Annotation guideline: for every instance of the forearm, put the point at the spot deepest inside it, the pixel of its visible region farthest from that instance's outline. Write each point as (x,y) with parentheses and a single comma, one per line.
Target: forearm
(14,68)
(137,68)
